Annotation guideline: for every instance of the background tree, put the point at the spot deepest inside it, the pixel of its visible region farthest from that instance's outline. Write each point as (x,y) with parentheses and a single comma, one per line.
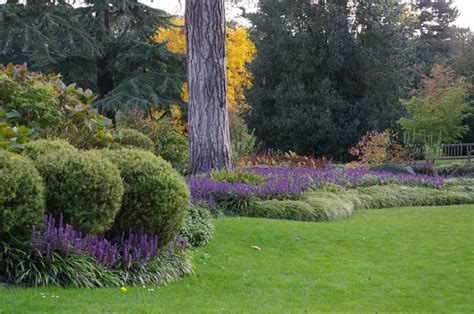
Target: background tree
(208,121)
(326,73)
(461,59)
(240,51)
(433,30)
(102,45)
(437,111)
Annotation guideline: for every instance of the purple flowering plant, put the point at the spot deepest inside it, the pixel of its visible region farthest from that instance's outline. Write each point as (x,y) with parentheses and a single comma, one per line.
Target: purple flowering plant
(289,182)
(133,247)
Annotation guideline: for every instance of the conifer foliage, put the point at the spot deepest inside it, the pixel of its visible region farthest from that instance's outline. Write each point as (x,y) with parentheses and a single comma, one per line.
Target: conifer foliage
(104,45)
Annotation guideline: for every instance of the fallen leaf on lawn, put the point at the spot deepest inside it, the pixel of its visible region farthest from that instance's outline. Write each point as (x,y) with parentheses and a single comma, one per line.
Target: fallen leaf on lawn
(255,247)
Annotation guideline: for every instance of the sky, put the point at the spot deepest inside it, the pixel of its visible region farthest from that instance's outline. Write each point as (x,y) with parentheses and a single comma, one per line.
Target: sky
(465,7)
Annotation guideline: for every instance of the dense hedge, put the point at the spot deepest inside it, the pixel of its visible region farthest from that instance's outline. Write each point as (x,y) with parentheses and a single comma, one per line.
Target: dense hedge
(156,196)
(21,194)
(86,188)
(39,148)
(131,138)
(198,228)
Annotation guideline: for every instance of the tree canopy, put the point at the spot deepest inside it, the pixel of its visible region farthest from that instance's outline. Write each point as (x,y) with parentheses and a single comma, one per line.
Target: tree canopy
(106,46)
(327,72)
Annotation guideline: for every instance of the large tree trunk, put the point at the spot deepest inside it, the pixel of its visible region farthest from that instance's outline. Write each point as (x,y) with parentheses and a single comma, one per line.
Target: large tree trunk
(208,121)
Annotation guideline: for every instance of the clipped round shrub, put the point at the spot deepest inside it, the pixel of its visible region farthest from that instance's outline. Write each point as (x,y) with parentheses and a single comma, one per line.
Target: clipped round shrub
(86,188)
(393,168)
(198,228)
(21,194)
(131,138)
(36,149)
(156,196)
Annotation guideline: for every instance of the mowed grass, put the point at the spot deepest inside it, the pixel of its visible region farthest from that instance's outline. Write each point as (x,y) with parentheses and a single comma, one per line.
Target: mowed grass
(404,259)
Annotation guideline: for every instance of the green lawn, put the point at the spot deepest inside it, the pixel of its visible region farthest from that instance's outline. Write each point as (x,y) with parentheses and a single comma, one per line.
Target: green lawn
(407,259)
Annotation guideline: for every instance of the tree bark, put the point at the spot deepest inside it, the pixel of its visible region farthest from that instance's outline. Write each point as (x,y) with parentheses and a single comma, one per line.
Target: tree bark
(208,120)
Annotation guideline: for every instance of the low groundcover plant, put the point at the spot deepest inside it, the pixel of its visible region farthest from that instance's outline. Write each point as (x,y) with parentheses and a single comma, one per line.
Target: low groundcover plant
(63,256)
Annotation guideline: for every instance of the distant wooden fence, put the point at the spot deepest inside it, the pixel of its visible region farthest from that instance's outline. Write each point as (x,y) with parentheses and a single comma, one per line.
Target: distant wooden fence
(456,152)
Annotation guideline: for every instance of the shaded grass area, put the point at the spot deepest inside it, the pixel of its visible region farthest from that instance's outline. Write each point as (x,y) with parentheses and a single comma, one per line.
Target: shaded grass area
(401,259)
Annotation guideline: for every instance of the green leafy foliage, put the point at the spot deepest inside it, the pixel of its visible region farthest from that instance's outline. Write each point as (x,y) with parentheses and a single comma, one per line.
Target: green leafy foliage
(104,46)
(464,170)
(134,139)
(21,194)
(36,149)
(165,130)
(24,267)
(237,176)
(446,169)
(59,111)
(32,95)
(323,77)
(437,111)
(83,186)
(82,125)
(156,196)
(198,228)
(13,136)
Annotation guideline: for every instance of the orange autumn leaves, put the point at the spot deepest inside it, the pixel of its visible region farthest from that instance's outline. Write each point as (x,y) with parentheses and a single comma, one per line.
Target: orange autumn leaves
(240,52)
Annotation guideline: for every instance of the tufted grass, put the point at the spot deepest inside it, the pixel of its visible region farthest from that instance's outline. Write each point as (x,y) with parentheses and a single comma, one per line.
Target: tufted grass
(399,259)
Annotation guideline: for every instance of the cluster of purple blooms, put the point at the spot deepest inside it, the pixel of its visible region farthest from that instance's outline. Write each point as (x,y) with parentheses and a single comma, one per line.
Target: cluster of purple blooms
(289,181)
(64,240)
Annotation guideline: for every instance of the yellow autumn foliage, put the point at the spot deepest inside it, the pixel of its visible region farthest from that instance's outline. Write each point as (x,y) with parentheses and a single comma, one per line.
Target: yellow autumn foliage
(240,52)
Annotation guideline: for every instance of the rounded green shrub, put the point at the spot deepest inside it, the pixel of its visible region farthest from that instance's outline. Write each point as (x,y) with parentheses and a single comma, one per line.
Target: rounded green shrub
(156,196)
(86,188)
(198,228)
(131,138)
(447,169)
(38,148)
(21,194)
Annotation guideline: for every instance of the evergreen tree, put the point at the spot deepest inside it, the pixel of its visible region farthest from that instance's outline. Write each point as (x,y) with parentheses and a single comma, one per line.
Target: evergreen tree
(104,45)
(433,30)
(327,72)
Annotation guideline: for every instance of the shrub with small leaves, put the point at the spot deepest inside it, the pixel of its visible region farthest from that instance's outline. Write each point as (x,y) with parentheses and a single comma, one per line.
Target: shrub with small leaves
(447,169)
(21,194)
(131,138)
(156,196)
(198,229)
(464,170)
(82,185)
(38,148)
